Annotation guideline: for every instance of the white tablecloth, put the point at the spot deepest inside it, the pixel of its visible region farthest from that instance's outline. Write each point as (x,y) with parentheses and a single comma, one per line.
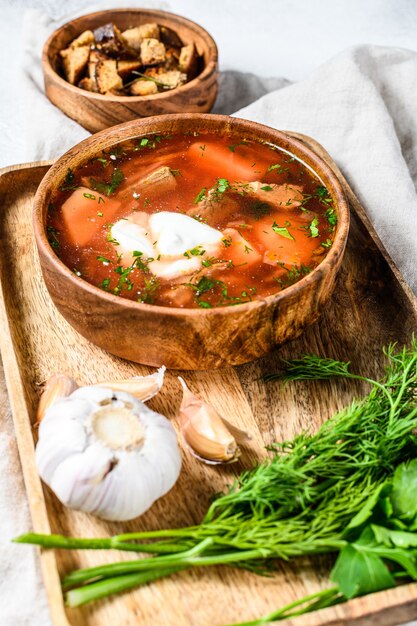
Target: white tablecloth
(361,104)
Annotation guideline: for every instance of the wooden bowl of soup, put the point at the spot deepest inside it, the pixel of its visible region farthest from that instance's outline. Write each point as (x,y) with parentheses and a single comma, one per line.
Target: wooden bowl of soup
(113,66)
(190,241)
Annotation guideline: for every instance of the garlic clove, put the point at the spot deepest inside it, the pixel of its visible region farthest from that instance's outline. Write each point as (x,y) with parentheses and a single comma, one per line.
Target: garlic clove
(80,475)
(161,442)
(204,430)
(142,387)
(57,386)
(241,436)
(58,439)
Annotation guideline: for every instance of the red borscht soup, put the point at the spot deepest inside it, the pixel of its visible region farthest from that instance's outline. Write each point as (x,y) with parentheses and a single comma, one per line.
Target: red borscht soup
(197,220)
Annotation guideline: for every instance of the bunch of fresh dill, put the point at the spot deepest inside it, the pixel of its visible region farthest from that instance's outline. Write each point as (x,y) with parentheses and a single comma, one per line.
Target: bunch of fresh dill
(298,502)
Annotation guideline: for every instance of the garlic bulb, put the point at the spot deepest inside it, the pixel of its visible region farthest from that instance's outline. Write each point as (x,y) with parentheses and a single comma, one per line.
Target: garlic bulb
(106,453)
(210,437)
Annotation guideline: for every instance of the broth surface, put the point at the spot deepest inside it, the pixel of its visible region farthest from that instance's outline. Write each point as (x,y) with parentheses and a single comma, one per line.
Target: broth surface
(274,219)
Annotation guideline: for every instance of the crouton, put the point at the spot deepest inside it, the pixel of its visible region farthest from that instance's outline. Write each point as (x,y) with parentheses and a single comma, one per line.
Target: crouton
(104,33)
(88,84)
(134,36)
(94,58)
(152,52)
(149,31)
(171,60)
(74,62)
(188,61)
(109,39)
(143,87)
(172,79)
(170,38)
(154,72)
(125,67)
(85,39)
(107,77)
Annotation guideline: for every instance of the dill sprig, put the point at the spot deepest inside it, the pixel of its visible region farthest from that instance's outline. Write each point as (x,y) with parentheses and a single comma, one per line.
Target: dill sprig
(299,502)
(311,367)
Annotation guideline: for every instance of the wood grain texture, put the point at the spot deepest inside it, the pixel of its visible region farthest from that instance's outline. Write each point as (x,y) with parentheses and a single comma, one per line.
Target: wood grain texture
(183,338)
(96,111)
(370,307)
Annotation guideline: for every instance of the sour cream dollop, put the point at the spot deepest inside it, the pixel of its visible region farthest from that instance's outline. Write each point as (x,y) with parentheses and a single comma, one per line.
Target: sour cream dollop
(165,237)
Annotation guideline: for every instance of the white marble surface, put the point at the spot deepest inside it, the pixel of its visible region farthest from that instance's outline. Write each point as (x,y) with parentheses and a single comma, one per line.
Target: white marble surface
(289,38)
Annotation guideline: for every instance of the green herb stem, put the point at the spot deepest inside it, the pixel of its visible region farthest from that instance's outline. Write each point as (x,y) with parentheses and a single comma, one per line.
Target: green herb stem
(313,602)
(118,584)
(111,543)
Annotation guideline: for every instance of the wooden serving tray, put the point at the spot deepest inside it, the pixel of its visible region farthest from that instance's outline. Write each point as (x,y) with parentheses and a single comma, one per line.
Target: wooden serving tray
(371,307)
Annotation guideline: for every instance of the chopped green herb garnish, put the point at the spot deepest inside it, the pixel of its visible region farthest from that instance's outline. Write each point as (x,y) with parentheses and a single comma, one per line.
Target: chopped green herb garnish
(259,209)
(282,230)
(233,147)
(331,217)
(222,185)
(208,262)
(321,191)
(204,305)
(139,262)
(111,239)
(53,236)
(200,196)
(204,284)
(69,184)
(278,168)
(117,178)
(294,274)
(327,243)
(227,241)
(100,214)
(104,162)
(267,188)
(147,293)
(103,259)
(105,284)
(197,251)
(313,227)
(247,249)
(124,280)
(101,199)
(89,196)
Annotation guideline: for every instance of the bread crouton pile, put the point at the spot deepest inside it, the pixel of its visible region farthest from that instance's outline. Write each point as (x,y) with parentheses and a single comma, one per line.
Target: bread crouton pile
(140,61)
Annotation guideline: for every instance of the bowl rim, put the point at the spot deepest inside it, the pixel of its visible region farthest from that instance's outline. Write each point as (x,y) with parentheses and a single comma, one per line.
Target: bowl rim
(326,265)
(209,68)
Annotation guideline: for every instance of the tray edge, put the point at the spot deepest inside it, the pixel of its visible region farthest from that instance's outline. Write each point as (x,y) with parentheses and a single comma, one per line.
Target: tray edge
(20,415)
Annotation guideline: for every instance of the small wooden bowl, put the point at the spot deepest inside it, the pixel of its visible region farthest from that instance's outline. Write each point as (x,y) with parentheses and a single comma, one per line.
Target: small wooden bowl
(96,111)
(187,338)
